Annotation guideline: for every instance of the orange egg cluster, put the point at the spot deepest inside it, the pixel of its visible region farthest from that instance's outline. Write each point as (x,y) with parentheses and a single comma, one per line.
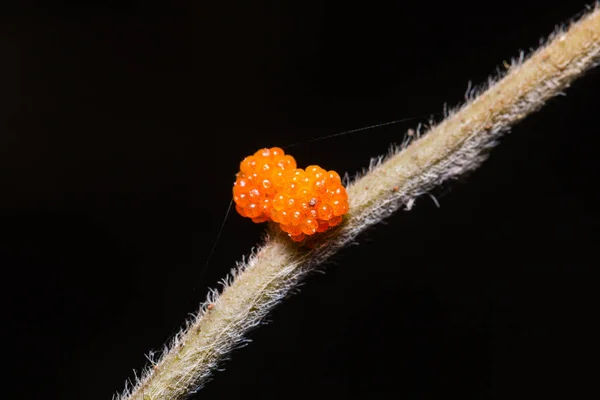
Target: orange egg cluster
(302,202)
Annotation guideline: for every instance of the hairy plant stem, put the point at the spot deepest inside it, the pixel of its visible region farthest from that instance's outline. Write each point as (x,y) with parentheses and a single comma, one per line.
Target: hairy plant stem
(456,145)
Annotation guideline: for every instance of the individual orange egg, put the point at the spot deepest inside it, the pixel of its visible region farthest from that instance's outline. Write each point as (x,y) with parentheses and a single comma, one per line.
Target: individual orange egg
(339,206)
(298,238)
(325,212)
(309,226)
(335,220)
(323,226)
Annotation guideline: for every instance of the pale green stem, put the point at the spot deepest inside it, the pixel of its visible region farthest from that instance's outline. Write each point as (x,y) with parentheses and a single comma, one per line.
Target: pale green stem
(456,145)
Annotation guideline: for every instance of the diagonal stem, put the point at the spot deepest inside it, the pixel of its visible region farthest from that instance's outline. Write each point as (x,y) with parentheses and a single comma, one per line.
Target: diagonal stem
(456,145)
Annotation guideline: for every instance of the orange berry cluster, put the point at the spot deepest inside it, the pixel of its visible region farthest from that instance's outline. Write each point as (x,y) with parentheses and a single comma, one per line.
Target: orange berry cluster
(302,202)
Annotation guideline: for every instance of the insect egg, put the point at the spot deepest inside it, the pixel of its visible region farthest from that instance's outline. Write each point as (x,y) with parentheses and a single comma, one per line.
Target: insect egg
(270,187)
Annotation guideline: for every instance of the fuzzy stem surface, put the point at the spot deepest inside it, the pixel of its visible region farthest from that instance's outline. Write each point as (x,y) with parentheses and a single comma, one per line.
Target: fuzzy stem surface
(456,145)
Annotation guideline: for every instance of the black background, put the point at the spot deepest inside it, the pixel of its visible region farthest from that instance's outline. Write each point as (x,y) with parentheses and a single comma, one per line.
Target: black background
(122,125)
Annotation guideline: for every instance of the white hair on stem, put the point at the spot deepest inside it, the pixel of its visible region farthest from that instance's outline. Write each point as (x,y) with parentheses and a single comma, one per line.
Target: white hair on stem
(449,149)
